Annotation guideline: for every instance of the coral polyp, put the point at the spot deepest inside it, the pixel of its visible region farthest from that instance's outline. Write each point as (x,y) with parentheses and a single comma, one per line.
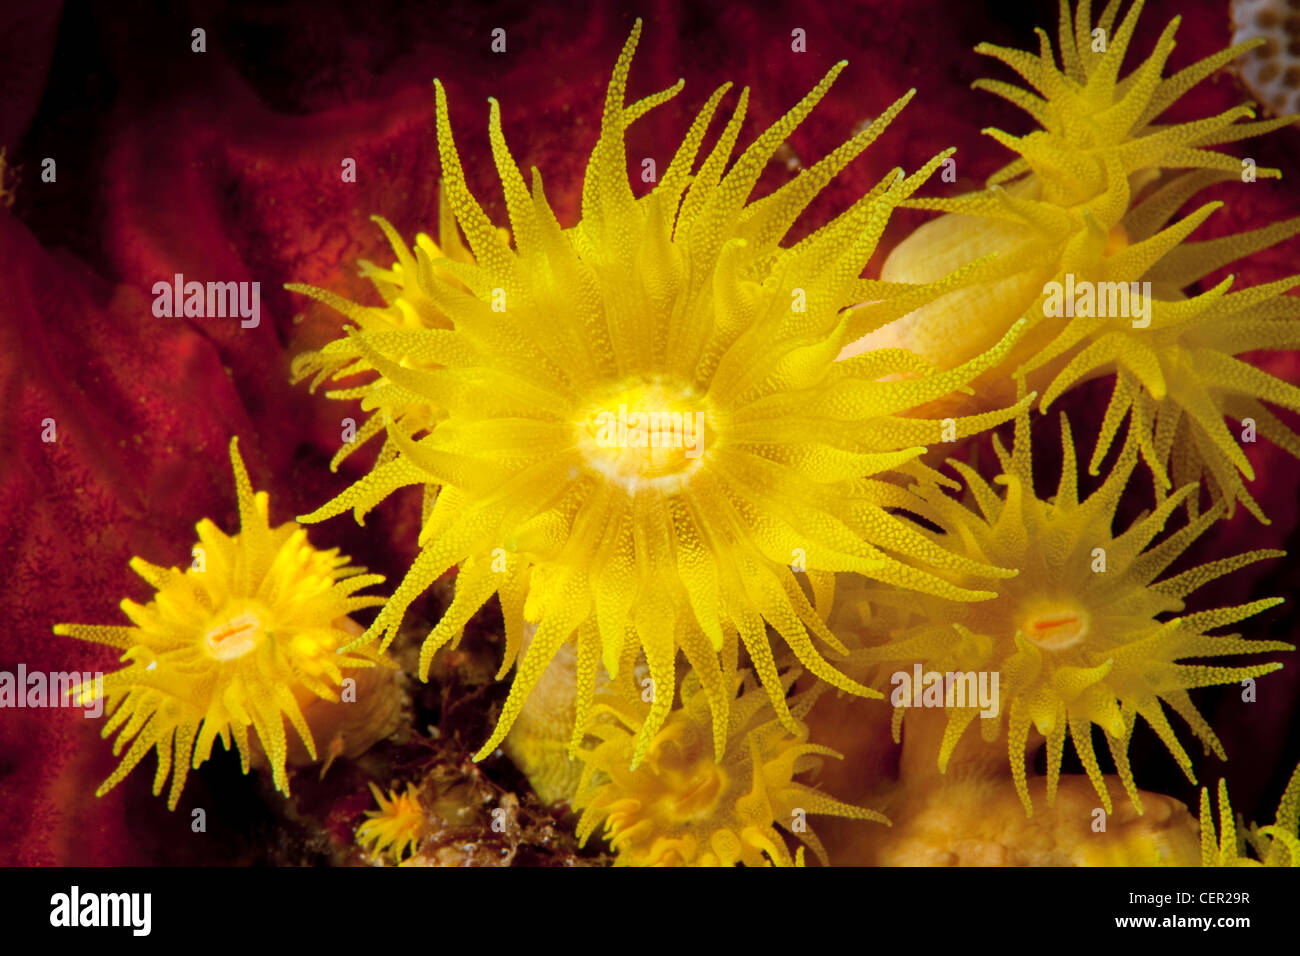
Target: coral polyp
(406,308)
(1087,206)
(647,436)
(680,806)
(1087,633)
(245,638)
(799,475)
(397,827)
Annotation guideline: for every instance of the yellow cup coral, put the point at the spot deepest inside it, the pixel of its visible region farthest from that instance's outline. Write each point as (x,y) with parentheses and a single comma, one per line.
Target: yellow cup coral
(647,434)
(1080,222)
(1084,634)
(680,807)
(247,636)
(406,308)
(397,827)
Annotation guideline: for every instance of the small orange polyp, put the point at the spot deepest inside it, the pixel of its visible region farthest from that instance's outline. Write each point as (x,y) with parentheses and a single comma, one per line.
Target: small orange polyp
(1116,240)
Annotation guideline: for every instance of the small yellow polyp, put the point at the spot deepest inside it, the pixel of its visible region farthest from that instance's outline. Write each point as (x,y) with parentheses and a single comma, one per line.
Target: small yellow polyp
(1073,642)
(243,640)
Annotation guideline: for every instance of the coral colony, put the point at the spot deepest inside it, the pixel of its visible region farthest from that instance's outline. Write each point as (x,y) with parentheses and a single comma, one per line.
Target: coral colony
(694,462)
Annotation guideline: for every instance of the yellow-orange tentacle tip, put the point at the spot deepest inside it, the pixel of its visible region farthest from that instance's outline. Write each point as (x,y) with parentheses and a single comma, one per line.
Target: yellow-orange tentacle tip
(406,308)
(246,637)
(1276,845)
(1087,632)
(681,807)
(1091,253)
(646,443)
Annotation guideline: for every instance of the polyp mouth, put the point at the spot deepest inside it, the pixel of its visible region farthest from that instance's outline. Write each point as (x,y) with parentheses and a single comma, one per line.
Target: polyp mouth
(1057,630)
(645,430)
(234,637)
